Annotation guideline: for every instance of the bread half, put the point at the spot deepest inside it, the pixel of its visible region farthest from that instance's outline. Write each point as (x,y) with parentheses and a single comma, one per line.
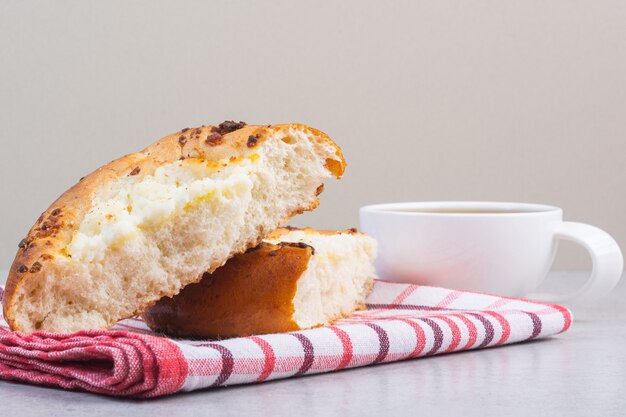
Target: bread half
(145,225)
(295,279)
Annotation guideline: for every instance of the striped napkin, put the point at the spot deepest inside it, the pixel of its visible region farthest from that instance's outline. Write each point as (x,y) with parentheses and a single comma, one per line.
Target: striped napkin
(402,321)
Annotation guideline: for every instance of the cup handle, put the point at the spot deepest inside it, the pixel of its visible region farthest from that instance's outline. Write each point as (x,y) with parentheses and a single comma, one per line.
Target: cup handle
(607,263)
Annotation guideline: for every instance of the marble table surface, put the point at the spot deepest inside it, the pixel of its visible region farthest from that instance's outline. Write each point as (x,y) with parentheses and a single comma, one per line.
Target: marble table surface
(579,373)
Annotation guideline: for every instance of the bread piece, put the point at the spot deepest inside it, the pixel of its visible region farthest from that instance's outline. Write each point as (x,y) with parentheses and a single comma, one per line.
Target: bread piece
(145,225)
(295,279)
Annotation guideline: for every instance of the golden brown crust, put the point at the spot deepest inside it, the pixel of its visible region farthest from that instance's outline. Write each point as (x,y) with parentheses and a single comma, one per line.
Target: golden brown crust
(251,294)
(53,231)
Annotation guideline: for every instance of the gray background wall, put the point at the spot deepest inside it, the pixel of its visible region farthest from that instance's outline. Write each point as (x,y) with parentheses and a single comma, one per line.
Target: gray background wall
(495,100)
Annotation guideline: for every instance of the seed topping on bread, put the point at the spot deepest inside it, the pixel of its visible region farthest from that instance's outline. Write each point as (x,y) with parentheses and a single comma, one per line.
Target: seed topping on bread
(252,141)
(214,139)
(300,245)
(35,268)
(227,127)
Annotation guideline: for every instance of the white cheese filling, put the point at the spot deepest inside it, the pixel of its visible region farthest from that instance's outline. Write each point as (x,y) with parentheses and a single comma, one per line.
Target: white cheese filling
(147,202)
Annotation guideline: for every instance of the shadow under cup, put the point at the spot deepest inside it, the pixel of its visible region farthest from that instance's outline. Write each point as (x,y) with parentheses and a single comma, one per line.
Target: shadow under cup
(499,248)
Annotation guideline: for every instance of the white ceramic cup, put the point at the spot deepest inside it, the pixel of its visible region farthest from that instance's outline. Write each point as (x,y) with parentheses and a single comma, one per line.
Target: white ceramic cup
(492,247)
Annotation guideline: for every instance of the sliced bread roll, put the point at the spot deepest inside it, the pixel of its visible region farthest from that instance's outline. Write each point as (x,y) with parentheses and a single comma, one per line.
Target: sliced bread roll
(145,225)
(295,279)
